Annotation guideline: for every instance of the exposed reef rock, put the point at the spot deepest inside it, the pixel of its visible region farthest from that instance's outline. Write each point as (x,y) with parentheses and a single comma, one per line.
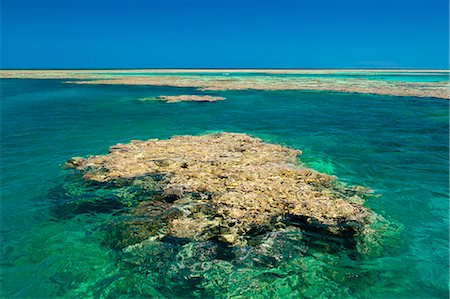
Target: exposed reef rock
(223,186)
(185,98)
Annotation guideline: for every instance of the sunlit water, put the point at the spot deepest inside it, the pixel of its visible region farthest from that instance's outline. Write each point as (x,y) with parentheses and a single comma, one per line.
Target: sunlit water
(397,146)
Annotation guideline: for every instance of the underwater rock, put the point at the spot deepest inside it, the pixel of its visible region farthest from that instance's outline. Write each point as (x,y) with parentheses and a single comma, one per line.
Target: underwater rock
(225,187)
(185,98)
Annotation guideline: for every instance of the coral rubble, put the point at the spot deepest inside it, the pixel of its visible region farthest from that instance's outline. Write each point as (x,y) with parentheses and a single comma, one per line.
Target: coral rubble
(223,186)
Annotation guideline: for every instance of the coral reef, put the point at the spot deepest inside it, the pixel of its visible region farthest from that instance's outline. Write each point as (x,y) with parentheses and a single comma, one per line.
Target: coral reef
(266,80)
(212,83)
(223,187)
(185,98)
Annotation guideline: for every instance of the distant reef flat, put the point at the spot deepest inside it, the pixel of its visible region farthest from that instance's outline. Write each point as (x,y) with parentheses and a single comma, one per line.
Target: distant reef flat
(382,82)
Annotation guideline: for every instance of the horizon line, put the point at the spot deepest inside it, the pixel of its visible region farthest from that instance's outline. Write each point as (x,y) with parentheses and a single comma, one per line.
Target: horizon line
(229,68)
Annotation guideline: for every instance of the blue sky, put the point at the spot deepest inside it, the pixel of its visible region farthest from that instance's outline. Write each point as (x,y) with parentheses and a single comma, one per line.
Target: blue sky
(224,33)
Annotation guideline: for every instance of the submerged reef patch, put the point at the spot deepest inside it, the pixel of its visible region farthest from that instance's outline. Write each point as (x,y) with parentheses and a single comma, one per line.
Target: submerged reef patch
(226,187)
(185,98)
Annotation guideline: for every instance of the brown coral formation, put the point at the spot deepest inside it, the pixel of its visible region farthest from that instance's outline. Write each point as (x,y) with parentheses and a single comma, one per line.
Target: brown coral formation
(225,186)
(186,98)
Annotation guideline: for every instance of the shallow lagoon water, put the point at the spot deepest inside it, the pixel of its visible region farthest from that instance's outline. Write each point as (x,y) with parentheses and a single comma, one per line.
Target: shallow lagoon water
(397,146)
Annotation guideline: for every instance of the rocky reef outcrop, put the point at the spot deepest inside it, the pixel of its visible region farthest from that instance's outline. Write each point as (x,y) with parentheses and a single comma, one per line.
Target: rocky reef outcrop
(223,187)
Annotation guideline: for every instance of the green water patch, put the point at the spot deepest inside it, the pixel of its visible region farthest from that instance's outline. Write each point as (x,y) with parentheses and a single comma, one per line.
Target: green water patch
(398,146)
(380,75)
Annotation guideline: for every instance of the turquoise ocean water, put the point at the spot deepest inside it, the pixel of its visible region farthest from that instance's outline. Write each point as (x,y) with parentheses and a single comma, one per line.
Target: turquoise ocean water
(397,146)
(367,75)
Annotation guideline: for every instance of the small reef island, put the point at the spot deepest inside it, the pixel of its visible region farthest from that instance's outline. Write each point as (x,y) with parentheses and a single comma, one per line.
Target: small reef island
(184,98)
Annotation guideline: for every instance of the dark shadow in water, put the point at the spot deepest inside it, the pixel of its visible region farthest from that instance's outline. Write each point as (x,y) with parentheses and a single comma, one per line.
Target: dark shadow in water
(69,204)
(73,195)
(343,238)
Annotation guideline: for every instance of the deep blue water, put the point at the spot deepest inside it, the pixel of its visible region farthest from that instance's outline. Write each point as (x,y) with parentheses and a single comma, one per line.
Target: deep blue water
(398,146)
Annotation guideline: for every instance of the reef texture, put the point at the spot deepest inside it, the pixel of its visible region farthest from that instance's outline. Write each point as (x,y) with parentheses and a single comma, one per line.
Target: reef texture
(222,187)
(266,80)
(186,98)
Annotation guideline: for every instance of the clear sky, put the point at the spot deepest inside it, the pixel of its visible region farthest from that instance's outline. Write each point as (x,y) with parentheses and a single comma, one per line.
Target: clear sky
(224,33)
